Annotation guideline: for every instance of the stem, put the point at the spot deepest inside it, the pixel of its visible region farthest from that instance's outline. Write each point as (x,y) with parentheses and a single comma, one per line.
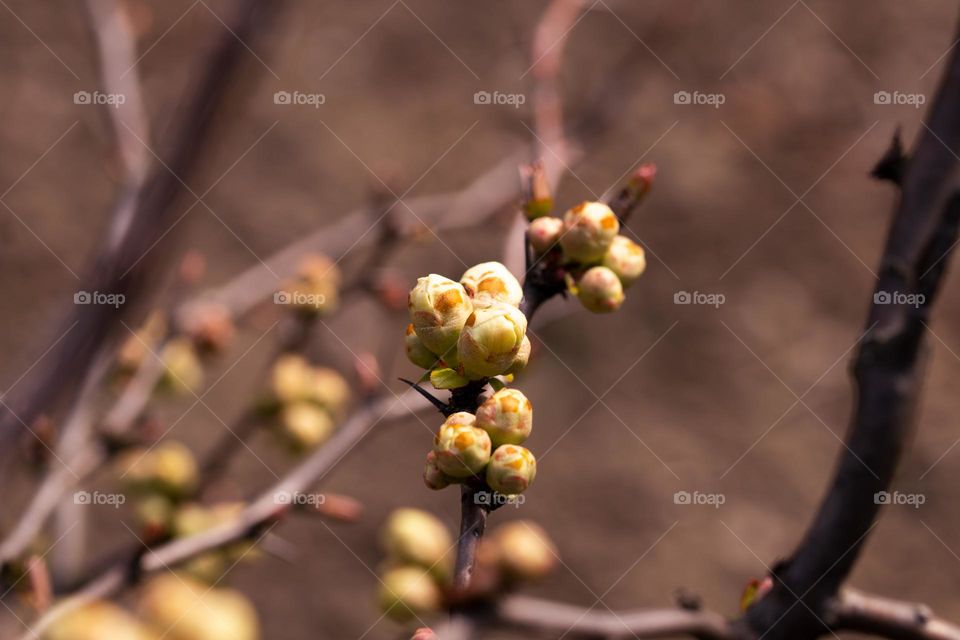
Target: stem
(473,522)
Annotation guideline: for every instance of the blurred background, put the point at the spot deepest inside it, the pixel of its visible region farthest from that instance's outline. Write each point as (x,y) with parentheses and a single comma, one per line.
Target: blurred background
(762,201)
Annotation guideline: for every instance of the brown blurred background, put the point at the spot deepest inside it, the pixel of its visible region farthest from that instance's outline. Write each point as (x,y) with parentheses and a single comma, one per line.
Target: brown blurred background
(693,398)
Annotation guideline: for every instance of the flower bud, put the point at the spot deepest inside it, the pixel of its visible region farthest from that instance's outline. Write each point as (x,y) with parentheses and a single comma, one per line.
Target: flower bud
(522,358)
(491,339)
(417,353)
(599,290)
(183,372)
(291,378)
(461,450)
(588,230)
(329,389)
(97,620)
(305,424)
(526,551)
(137,347)
(438,308)
(544,234)
(412,536)
(433,477)
(168,468)
(626,259)
(192,519)
(406,592)
(491,281)
(210,326)
(506,416)
(511,469)
(316,288)
(424,633)
(184,609)
(461,417)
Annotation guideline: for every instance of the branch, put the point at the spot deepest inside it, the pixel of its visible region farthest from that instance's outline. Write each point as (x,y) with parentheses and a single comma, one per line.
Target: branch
(857,611)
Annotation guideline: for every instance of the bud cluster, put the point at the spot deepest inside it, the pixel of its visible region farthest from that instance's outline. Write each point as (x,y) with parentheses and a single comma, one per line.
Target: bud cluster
(485,445)
(307,400)
(601,263)
(416,575)
(468,330)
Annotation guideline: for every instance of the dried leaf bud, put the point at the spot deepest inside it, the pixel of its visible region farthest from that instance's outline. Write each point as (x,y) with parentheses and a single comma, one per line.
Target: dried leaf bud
(438,308)
(511,469)
(526,551)
(184,609)
(491,339)
(406,592)
(522,358)
(588,230)
(599,290)
(544,234)
(97,620)
(507,416)
(462,450)
(417,353)
(305,424)
(412,536)
(537,198)
(433,477)
(182,369)
(626,259)
(491,281)
(168,468)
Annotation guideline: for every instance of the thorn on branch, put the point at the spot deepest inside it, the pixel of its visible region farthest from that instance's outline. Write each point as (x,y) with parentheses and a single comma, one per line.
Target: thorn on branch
(892,165)
(441,406)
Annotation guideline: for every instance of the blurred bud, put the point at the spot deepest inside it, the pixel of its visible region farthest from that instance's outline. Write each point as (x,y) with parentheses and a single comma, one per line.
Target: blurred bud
(97,620)
(154,513)
(636,189)
(537,200)
(544,234)
(433,477)
(461,450)
(626,259)
(491,339)
(192,519)
(329,389)
(755,590)
(182,369)
(599,290)
(417,353)
(588,230)
(169,468)
(506,416)
(438,308)
(511,470)
(184,609)
(406,592)
(340,507)
(412,536)
(391,290)
(491,282)
(424,633)
(316,289)
(526,551)
(136,348)
(522,358)
(291,378)
(211,327)
(305,424)
(193,267)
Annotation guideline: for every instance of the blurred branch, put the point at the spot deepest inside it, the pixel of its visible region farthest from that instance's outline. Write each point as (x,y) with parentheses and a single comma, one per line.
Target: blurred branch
(887,370)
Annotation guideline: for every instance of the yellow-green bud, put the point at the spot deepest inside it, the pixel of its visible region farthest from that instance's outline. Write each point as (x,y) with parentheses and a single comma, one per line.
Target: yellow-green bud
(97,620)
(438,308)
(526,551)
(192,519)
(544,234)
(182,369)
(461,450)
(305,424)
(600,290)
(506,416)
(168,468)
(184,609)
(491,281)
(626,259)
(417,353)
(329,389)
(433,477)
(291,378)
(588,230)
(522,358)
(511,469)
(406,592)
(412,536)
(491,339)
